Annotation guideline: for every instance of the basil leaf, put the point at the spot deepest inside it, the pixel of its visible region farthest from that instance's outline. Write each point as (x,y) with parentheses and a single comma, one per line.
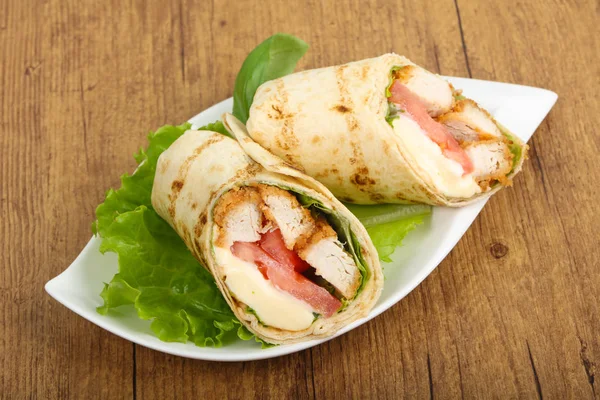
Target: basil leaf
(275,57)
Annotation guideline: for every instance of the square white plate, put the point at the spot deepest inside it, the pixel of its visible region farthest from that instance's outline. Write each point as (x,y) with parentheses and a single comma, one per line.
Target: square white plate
(520,108)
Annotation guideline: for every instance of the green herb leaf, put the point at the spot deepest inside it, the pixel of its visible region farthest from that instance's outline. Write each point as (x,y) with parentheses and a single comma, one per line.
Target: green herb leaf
(392,78)
(393,112)
(513,145)
(457,94)
(275,57)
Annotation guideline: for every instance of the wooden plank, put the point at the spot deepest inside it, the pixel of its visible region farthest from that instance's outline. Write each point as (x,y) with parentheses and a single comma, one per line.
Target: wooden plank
(512,312)
(52,177)
(525,324)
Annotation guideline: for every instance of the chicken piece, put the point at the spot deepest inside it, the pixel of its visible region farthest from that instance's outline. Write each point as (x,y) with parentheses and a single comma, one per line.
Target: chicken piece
(467,122)
(245,214)
(416,110)
(327,256)
(285,211)
(239,217)
(492,160)
(432,90)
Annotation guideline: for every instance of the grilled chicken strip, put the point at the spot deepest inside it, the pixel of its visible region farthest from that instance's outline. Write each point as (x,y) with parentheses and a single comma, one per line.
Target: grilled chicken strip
(434,92)
(284,210)
(483,141)
(468,122)
(246,214)
(239,216)
(491,161)
(326,254)
(465,132)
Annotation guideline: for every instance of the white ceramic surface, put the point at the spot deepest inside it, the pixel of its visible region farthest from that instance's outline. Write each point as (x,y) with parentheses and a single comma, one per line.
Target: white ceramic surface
(520,108)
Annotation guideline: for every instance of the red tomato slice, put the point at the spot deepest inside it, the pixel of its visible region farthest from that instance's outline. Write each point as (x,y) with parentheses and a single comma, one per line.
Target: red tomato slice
(287,279)
(272,242)
(411,104)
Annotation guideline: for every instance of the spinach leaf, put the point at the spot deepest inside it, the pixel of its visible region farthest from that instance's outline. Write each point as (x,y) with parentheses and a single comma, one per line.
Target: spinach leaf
(275,57)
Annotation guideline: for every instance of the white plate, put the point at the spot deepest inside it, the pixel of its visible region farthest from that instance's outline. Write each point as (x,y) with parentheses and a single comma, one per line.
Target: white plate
(520,108)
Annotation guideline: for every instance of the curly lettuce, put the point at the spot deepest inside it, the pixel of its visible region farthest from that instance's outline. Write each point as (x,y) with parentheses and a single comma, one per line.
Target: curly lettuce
(157,273)
(388,224)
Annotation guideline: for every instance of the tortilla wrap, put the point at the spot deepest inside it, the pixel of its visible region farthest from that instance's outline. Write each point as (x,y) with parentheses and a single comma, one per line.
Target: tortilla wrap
(331,124)
(199,168)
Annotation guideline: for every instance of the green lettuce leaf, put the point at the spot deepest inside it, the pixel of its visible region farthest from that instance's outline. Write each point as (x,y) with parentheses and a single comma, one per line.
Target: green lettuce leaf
(136,189)
(216,126)
(157,273)
(388,224)
(388,237)
(515,148)
(275,57)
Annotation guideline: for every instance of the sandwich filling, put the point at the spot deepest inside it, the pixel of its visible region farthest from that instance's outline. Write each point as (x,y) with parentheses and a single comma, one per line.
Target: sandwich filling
(470,152)
(282,262)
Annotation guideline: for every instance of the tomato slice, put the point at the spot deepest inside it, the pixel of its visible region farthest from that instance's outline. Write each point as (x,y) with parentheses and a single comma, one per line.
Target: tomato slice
(272,242)
(437,132)
(286,279)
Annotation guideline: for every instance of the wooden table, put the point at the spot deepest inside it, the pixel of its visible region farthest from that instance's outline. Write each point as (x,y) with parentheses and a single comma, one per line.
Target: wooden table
(513,311)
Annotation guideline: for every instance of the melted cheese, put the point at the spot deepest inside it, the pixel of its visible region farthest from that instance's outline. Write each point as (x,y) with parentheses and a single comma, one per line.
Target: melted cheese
(445,174)
(273,307)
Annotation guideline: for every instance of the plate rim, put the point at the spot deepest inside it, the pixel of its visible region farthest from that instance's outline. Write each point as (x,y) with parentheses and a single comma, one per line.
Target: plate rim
(52,286)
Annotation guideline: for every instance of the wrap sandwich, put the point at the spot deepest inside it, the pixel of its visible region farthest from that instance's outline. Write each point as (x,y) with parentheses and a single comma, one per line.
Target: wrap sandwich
(291,261)
(384,130)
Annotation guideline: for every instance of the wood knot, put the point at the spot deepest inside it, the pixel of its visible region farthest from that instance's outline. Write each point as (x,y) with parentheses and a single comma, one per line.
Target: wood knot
(498,250)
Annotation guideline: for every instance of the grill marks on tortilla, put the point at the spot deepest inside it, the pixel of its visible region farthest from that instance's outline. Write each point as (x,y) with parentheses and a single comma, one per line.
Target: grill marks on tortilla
(342,109)
(400,196)
(278,112)
(202,219)
(360,178)
(292,162)
(287,139)
(252,169)
(346,103)
(327,172)
(164,166)
(376,197)
(364,73)
(186,233)
(176,186)
(179,182)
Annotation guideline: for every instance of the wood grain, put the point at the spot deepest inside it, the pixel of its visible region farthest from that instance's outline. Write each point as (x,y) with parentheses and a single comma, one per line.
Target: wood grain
(512,312)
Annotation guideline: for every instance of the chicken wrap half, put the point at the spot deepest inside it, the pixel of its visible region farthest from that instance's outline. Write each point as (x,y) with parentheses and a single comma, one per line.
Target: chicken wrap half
(292,262)
(384,130)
